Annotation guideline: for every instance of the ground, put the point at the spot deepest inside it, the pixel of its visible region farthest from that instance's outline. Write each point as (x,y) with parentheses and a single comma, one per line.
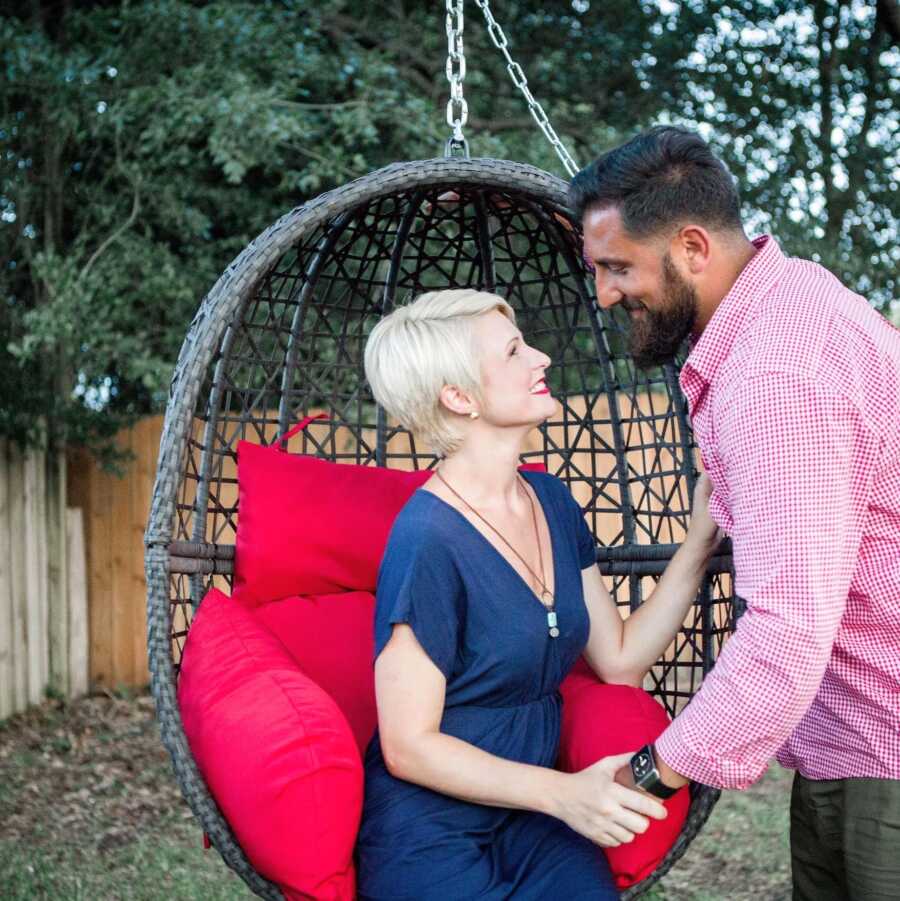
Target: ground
(89,809)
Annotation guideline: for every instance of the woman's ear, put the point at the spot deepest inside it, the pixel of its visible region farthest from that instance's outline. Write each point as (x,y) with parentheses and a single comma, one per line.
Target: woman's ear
(457,401)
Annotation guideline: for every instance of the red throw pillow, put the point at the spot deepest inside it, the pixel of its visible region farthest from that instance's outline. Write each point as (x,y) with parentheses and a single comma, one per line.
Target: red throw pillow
(599,720)
(277,754)
(307,526)
(331,637)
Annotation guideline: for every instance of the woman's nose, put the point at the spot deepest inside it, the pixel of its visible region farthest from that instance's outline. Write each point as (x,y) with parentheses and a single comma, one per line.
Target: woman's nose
(542,361)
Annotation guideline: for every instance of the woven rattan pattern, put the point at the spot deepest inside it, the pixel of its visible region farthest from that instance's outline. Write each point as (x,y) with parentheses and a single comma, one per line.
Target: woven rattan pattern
(282,334)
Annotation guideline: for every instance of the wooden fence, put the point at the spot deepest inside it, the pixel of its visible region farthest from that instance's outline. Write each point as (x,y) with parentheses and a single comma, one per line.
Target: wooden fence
(115,516)
(43,604)
(72,588)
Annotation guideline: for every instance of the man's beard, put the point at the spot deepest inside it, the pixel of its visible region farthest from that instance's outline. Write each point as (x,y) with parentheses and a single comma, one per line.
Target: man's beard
(656,335)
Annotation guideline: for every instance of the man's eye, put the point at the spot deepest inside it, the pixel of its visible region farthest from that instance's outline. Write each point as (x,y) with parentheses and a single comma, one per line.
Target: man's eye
(619,270)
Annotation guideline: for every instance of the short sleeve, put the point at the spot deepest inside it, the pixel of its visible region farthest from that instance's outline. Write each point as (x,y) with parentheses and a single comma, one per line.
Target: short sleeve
(571,518)
(584,539)
(419,584)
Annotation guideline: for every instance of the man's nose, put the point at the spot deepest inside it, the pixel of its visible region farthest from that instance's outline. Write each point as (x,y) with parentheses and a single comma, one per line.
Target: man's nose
(607,295)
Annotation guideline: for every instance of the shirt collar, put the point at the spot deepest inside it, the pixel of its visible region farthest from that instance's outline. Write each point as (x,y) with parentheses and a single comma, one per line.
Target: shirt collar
(716,340)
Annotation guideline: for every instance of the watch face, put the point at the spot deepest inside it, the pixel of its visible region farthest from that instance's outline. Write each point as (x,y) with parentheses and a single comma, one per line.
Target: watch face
(642,765)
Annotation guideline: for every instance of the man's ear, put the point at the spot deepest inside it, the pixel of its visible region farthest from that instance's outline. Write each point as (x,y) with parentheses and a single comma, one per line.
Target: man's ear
(456,400)
(693,246)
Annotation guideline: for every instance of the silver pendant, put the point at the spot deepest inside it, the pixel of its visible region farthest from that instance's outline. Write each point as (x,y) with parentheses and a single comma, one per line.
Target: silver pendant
(551,623)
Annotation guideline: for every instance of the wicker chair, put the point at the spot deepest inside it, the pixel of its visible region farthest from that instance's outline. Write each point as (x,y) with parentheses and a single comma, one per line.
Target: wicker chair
(282,334)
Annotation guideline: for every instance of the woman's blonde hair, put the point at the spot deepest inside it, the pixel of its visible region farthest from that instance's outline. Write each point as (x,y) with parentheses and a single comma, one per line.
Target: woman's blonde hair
(418,349)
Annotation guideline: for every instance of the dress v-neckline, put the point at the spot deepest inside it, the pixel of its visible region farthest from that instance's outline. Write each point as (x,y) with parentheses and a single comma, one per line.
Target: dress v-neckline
(496,550)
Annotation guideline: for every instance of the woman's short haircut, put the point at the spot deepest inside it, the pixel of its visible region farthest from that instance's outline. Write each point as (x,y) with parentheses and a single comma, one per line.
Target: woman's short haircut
(658,181)
(416,350)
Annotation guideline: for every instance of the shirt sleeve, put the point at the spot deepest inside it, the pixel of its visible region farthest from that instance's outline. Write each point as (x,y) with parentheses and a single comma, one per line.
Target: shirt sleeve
(797,495)
(419,584)
(585,541)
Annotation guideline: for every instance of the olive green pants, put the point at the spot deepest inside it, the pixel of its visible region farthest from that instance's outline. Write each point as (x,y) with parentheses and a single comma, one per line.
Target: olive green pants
(845,839)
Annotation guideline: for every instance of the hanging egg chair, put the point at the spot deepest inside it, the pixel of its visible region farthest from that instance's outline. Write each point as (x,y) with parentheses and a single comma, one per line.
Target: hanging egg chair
(282,334)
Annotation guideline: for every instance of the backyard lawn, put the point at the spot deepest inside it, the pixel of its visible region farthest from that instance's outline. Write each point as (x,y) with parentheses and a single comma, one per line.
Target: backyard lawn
(89,811)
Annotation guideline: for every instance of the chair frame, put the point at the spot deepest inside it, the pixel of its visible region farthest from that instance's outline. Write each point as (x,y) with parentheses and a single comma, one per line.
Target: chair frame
(248,369)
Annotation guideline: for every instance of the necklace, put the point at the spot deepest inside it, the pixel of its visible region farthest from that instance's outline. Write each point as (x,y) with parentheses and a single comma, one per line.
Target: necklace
(546,596)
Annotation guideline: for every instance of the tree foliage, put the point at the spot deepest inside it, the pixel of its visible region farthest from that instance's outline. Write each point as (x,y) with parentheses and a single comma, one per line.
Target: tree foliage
(145,143)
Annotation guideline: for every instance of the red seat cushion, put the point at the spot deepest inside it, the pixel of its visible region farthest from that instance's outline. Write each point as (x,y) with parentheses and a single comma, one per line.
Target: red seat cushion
(331,637)
(307,526)
(599,720)
(275,750)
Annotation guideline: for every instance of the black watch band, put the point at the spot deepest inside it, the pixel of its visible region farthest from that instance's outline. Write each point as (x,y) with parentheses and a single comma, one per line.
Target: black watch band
(646,775)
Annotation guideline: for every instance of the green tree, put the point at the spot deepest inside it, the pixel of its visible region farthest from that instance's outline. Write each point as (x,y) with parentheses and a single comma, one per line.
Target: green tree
(144,143)
(801,98)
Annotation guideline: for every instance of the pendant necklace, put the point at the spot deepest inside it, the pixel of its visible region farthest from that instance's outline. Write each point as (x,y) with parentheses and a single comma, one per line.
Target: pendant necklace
(546,596)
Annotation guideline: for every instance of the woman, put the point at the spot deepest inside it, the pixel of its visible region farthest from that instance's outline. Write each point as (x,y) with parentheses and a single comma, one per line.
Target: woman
(487,594)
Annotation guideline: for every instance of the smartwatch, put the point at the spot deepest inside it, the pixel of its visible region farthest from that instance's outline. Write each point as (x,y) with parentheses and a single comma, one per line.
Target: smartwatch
(646,775)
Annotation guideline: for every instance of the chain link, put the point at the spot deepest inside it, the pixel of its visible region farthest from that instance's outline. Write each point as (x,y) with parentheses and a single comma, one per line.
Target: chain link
(457,108)
(518,79)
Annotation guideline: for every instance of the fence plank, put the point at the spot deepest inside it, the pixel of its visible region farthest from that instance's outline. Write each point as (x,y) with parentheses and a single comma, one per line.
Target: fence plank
(121,597)
(41,461)
(100,601)
(78,675)
(146,449)
(7,637)
(16,481)
(34,621)
(57,574)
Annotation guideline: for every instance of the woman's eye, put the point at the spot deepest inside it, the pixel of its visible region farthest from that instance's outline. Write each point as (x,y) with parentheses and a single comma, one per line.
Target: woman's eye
(513,350)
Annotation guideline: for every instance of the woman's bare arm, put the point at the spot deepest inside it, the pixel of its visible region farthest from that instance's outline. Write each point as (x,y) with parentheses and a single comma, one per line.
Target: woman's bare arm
(410,692)
(622,652)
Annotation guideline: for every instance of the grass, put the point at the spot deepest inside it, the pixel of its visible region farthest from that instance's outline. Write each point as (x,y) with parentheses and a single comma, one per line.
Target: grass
(146,868)
(89,811)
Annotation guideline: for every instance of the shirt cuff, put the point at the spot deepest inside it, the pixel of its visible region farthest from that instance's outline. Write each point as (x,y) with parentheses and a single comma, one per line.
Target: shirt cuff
(676,747)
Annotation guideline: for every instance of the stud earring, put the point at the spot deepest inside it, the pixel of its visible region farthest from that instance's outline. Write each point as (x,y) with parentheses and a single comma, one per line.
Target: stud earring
(473,414)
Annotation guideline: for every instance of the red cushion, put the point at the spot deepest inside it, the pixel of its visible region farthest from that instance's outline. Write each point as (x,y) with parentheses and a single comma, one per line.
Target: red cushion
(307,526)
(331,637)
(599,720)
(277,754)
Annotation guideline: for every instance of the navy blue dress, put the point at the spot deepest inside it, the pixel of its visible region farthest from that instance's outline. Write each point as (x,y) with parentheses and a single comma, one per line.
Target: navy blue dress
(486,631)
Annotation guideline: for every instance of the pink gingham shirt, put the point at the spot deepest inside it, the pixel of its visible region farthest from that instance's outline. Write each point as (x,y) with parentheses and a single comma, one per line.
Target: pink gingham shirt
(794,392)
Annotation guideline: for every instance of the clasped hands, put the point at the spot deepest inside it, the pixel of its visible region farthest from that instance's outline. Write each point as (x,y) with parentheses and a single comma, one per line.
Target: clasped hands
(598,807)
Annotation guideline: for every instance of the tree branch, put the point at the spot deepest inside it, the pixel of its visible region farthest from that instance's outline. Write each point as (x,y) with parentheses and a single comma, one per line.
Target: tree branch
(135,209)
(888,17)
(826,38)
(295,104)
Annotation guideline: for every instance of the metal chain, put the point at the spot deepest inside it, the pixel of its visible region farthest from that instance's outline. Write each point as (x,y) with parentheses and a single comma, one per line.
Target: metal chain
(457,108)
(519,80)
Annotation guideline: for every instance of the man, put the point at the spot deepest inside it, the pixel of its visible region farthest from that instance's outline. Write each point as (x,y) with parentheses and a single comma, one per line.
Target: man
(793,384)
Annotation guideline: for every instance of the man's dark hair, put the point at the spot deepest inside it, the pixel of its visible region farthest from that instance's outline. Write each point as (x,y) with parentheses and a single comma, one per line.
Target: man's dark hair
(658,180)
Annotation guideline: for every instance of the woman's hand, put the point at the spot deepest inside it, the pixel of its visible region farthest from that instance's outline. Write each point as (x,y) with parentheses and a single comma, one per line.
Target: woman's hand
(592,803)
(703,532)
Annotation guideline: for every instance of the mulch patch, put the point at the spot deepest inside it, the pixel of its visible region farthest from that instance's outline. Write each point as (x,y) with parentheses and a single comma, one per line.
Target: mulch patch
(91,774)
